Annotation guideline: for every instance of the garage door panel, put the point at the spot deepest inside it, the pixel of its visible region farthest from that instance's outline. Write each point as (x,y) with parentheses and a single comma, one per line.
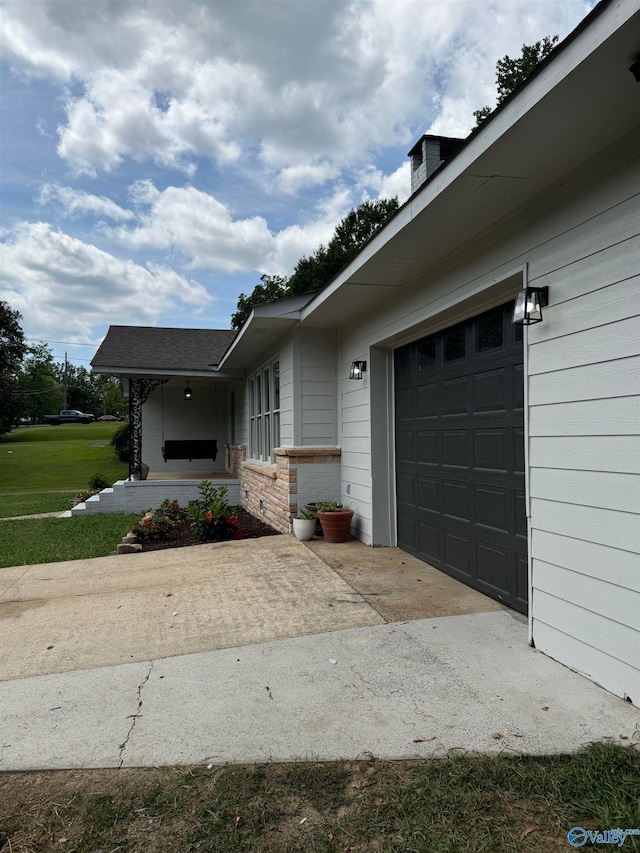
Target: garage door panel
(490,390)
(460,442)
(518,387)
(456,553)
(491,507)
(406,490)
(455,396)
(405,405)
(406,446)
(430,542)
(456,501)
(490,450)
(427,400)
(428,447)
(493,567)
(455,448)
(520,516)
(428,494)
(517,442)
(522,580)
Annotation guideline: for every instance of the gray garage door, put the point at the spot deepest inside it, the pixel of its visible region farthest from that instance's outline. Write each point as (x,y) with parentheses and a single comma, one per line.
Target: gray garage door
(460,454)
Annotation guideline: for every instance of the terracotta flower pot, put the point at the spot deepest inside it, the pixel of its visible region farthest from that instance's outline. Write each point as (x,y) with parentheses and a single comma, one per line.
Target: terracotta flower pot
(335,525)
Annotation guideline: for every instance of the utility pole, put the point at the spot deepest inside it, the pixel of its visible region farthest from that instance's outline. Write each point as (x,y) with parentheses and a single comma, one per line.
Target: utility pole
(65,380)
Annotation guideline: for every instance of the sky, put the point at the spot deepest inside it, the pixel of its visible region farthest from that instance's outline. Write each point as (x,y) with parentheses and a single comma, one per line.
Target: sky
(156,158)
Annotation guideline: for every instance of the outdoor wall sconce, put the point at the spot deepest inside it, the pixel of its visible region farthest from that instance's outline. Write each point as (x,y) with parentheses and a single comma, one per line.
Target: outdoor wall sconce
(188,393)
(529,305)
(357,369)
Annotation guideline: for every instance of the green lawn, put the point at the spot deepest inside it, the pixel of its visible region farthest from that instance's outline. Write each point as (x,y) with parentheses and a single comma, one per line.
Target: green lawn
(37,461)
(454,804)
(52,540)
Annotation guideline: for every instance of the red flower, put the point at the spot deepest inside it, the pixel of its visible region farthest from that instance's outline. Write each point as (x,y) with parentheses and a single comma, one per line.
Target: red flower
(239,534)
(208,516)
(233,519)
(147,522)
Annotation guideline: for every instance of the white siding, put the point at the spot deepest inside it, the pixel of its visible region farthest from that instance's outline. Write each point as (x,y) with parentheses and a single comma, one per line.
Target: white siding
(241,418)
(317,404)
(286,393)
(584,390)
(583,406)
(167,415)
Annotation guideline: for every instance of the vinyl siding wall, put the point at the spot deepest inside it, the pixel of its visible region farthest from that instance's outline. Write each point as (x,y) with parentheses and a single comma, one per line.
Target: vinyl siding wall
(317,389)
(583,406)
(286,393)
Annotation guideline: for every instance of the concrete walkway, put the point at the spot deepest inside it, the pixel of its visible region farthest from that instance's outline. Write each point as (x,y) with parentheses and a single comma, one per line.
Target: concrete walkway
(399,690)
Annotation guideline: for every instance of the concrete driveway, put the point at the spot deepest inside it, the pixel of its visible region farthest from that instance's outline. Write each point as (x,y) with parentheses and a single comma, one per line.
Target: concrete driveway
(259,651)
(81,614)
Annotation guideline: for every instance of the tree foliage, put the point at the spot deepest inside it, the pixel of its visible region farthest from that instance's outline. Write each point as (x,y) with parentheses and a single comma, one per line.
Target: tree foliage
(510,73)
(315,272)
(32,384)
(12,350)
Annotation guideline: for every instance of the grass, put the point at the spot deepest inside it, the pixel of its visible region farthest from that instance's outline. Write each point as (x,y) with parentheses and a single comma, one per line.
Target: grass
(51,540)
(37,460)
(455,804)
(28,503)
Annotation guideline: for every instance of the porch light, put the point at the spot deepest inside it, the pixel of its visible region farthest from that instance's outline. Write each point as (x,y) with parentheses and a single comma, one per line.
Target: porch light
(529,305)
(188,393)
(357,369)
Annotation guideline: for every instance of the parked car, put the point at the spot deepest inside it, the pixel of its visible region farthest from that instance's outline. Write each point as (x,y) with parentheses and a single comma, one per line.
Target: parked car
(107,418)
(68,416)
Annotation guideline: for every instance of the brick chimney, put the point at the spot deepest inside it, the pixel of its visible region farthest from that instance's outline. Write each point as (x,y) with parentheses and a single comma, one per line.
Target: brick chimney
(427,155)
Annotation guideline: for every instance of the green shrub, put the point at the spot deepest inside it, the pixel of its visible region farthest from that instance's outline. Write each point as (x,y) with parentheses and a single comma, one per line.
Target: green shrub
(120,442)
(99,482)
(212,519)
(172,510)
(153,528)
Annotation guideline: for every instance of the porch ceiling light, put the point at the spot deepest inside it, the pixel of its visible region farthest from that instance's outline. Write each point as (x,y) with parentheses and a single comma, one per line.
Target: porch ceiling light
(529,305)
(357,369)
(188,393)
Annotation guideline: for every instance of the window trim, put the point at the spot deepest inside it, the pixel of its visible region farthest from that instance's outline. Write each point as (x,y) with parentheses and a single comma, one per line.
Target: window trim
(263,389)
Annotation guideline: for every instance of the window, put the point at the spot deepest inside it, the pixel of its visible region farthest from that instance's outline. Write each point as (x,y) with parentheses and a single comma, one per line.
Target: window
(264,412)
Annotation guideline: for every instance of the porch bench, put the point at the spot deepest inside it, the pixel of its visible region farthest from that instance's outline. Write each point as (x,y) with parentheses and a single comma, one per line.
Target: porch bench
(190,449)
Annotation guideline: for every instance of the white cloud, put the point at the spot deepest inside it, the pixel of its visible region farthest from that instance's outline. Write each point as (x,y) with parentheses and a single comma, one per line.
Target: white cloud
(58,282)
(205,233)
(314,88)
(74,202)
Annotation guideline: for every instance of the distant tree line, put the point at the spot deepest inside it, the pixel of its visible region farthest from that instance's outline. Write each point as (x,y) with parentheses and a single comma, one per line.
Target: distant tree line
(33,385)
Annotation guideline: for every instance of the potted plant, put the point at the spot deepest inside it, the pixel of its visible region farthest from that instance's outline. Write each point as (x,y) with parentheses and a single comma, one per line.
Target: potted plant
(304,525)
(335,521)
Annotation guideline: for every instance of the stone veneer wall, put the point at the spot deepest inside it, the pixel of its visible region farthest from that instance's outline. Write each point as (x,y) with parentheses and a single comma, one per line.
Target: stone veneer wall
(234,456)
(271,492)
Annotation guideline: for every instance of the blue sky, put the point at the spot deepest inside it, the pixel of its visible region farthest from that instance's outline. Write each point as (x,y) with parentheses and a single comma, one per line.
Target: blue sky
(158,157)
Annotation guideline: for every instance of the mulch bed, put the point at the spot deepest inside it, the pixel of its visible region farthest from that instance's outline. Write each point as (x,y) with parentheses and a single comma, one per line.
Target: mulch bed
(181,535)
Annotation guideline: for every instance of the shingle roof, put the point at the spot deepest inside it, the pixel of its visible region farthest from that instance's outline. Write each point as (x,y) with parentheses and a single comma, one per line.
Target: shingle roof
(151,348)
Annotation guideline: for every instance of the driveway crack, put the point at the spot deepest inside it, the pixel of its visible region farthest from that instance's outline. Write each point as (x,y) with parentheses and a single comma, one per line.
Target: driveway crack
(134,717)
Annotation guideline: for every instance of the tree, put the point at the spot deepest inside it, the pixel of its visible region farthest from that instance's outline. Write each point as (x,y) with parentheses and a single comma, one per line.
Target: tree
(315,272)
(510,73)
(272,287)
(12,351)
(37,385)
